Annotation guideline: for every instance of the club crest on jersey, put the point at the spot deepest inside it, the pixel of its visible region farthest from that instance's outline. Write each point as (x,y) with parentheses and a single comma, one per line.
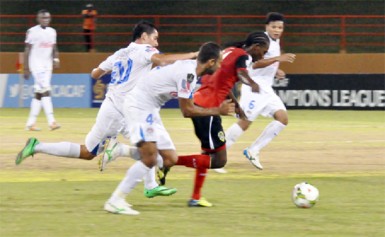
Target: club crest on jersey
(190,77)
(150,49)
(221,136)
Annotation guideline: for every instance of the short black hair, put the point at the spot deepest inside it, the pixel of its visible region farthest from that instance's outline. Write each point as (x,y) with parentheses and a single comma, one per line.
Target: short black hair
(209,50)
(274,16)
(141,27)
(42,11)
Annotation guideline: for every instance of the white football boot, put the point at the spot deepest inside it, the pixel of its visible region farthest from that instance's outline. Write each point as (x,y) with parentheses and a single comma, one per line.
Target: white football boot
(108,153)
(253,157)
(120,206)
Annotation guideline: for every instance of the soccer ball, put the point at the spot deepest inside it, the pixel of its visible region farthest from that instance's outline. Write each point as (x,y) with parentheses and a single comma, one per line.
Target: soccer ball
(305,195)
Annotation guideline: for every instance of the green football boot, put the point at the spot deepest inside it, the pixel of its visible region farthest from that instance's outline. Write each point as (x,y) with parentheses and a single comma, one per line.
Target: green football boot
(159,191)
(28,150)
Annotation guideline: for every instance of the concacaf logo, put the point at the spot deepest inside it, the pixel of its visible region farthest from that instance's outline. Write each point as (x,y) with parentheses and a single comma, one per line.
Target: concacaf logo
(221,136)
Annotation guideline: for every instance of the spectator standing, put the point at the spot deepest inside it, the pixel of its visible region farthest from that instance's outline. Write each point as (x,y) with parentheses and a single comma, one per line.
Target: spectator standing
(89,18)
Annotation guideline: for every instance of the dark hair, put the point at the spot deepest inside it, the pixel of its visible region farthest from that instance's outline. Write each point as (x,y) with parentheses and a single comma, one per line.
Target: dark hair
(274,16)
(207,51)
(141,27)
(257,37)
(42,11)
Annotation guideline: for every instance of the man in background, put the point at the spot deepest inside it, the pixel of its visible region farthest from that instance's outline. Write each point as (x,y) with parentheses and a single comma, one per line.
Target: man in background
(40,56)
(89,15)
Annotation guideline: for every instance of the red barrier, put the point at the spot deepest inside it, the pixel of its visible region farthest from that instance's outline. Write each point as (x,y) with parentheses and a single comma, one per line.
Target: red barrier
(343,31)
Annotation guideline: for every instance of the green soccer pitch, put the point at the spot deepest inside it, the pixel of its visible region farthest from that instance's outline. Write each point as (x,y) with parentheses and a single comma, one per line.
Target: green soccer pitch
(342,153)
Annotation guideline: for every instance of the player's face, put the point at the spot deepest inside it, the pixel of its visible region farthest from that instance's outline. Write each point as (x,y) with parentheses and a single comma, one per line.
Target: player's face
(151,39)
(44,19)
(275,29)
(259,51)
(212,65)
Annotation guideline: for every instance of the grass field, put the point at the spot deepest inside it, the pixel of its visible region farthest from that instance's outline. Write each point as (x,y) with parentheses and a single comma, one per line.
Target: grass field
(340,152)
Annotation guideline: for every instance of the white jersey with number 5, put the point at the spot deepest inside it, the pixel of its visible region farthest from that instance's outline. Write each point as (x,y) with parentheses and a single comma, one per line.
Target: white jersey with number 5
(41,54)
(127,66)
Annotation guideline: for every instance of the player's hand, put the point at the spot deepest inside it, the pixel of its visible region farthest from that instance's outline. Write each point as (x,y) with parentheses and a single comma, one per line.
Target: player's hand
(280,74)
(56,63)
(287,57)
(26,73)
(254,87)
(240,113)
(227,107)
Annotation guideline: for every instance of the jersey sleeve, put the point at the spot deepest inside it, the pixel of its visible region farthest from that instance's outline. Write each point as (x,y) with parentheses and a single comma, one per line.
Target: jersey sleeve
(108,64)
(29,37)
(149,51)
(54,36)
(241,63)
(186,83)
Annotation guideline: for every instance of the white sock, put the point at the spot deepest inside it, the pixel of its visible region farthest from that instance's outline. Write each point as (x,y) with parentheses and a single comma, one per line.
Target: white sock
(64,149)
(159,161)
(149,179)
(232,134)
(271,130)
(133,176)
(35,110)
(46,101)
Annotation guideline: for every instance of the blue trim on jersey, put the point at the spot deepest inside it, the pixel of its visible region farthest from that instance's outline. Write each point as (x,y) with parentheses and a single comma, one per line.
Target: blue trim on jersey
(142,134)
(95,150)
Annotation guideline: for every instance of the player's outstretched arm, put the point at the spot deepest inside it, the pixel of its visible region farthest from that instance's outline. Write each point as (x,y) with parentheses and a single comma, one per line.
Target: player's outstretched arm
(287,57)
(164,59)
(189,109)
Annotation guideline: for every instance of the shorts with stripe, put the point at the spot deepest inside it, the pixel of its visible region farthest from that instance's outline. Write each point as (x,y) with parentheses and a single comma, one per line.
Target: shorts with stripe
(210,132)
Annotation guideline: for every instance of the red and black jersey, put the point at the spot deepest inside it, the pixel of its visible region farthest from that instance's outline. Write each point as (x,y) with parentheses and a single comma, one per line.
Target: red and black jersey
(217,86)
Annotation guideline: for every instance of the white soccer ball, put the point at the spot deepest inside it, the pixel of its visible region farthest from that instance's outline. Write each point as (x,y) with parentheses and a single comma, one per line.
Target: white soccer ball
(305,195)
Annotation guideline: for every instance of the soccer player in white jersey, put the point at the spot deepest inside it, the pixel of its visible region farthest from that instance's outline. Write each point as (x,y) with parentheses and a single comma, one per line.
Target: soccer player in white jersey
(40,56)
(143,120)
(126,65)
(266,102)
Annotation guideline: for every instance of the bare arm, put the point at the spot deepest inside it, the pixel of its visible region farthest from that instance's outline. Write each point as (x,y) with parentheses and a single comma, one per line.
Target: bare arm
(245,79)
(287,57)
(164,59)
(27,50)
(238,109)
(189,109)
(97,73)
(55,54)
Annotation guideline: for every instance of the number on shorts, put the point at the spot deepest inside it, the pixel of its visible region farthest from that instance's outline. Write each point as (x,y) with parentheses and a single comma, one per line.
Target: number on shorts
(251,104)
(149,119)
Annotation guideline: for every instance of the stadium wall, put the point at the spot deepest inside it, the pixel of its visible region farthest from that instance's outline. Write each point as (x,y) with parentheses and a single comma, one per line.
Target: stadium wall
(314,81)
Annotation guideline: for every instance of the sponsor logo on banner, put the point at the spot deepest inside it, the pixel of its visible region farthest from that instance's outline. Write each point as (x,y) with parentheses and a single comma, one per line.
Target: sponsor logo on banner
(67,90)
(332,91)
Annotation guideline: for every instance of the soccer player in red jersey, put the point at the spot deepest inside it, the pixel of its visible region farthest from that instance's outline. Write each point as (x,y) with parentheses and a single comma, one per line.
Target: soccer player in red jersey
(214,90)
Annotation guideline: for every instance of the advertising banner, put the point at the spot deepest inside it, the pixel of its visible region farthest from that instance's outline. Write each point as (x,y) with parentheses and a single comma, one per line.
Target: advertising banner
(333,91)
(68,91)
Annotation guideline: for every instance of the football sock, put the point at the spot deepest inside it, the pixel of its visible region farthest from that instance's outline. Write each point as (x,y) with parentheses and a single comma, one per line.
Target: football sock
(46,102)
(149,179)
(133,176)
(200,176)
(195,161)
(35,110)
(232,134)
(271,130)
(64,149)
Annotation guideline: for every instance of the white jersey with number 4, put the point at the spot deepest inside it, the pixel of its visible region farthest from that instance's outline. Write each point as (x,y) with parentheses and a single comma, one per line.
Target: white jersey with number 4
(143,103)
(127,66)
(161,84)
(41,54)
